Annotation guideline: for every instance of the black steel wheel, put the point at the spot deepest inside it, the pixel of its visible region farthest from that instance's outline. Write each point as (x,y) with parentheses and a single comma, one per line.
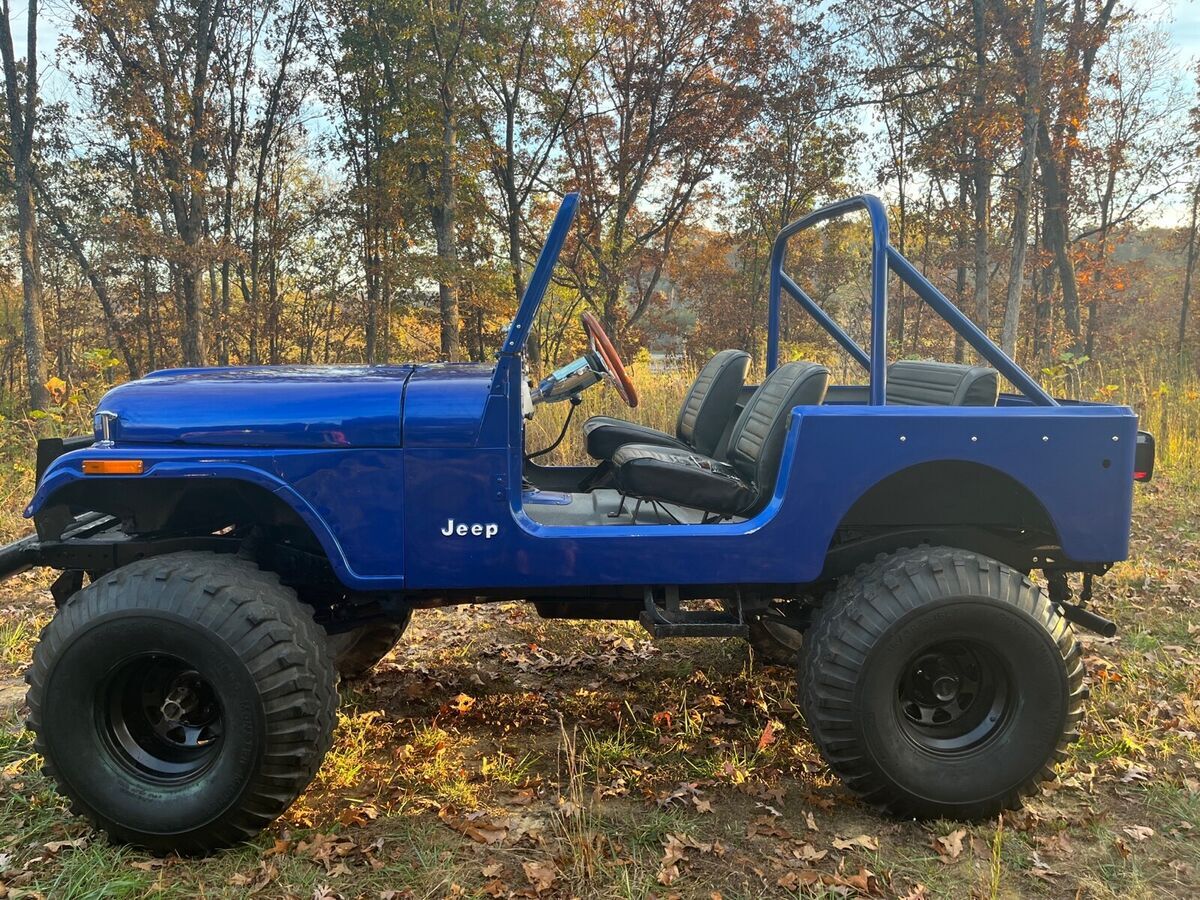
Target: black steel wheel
(160,718)
(182,702)
(939,683)
(953,696)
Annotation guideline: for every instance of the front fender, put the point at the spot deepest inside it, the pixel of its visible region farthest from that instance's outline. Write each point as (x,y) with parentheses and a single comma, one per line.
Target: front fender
(287,475)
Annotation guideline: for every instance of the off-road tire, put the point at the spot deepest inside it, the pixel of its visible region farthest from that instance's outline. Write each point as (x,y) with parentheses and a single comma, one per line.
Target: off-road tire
(245,647)
(866,700)
(357,652)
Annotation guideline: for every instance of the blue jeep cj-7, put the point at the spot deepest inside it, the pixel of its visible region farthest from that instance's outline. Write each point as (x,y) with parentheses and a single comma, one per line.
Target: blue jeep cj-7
(231,541)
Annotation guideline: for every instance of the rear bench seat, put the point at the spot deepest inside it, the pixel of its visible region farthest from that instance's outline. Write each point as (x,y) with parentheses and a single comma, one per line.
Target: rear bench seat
(926,383)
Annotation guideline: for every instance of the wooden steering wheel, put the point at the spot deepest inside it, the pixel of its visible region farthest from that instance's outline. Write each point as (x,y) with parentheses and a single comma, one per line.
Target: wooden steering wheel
(600,344)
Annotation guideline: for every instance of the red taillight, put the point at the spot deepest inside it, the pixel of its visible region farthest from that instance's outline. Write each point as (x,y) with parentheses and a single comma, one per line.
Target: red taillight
(1143,457)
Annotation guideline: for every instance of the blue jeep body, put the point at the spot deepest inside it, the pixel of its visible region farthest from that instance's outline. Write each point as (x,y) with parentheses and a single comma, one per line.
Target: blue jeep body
(411,478)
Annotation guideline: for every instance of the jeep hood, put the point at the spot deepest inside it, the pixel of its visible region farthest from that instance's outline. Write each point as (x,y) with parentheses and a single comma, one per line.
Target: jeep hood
(260,406)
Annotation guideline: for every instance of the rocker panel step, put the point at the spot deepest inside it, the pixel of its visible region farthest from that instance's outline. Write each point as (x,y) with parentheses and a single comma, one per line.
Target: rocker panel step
(675,622)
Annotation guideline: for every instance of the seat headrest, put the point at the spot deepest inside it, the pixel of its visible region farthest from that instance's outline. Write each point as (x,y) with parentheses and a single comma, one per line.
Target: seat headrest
(913,382)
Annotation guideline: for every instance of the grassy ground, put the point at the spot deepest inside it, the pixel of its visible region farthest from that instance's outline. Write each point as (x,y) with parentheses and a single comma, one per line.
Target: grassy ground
(494,754)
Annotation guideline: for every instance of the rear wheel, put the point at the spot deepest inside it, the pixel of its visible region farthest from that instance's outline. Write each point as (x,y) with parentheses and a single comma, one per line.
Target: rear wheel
(939,683)
(182,702)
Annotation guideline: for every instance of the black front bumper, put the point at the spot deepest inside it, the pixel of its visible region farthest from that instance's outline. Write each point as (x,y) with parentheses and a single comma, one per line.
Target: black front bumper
(25,553)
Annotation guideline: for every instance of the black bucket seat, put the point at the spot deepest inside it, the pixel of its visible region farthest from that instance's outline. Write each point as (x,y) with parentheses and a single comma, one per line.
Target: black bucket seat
(742,483)
(702,420)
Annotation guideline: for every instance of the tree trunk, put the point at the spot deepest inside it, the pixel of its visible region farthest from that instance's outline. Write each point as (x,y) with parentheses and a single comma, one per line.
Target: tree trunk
(22,124)
(1020,231)
(444,231)
(31,285)
(1055,234)
(99,285)
(981,173)
(960,274)
(372,296)
(533,344)
(191,286)
(1187,275)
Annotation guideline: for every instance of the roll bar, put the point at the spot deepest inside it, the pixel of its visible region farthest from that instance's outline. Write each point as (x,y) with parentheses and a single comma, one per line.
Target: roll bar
(884,259)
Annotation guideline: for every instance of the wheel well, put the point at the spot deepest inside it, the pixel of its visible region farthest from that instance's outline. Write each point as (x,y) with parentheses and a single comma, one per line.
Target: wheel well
(959,503)
(186,507)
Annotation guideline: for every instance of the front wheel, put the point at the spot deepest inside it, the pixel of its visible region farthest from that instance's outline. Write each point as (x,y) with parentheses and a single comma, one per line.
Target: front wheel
(939,683)
(182,702)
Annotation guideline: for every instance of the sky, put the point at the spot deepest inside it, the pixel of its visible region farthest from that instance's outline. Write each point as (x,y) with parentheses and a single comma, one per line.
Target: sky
(1185,29)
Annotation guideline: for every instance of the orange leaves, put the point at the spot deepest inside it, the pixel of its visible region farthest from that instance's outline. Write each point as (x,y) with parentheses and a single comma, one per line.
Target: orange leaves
(767,738)
(358,815)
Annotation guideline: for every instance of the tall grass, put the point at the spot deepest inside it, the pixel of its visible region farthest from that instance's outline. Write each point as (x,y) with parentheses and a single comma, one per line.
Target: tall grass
(1166,401)
(660,394)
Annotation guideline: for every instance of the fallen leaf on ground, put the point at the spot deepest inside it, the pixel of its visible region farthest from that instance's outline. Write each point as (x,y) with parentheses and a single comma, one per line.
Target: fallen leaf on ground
(767,827)
(59,846)
(808,853)
(949,847)
(541,875)
(478,829)
(281,847)
(863,842)
(358,815)
(255,881)
(864,882)
(767,738)
(675,848)
(1139,832)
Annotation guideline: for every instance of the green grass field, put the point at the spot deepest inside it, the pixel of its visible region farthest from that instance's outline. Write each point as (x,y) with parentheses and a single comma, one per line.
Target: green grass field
(494,754)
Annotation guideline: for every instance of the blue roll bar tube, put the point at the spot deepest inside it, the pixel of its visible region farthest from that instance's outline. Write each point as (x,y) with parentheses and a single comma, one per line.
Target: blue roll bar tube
(884,259)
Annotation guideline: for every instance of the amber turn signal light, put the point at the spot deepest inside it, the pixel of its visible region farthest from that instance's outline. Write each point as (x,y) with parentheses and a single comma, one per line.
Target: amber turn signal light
(112,467)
